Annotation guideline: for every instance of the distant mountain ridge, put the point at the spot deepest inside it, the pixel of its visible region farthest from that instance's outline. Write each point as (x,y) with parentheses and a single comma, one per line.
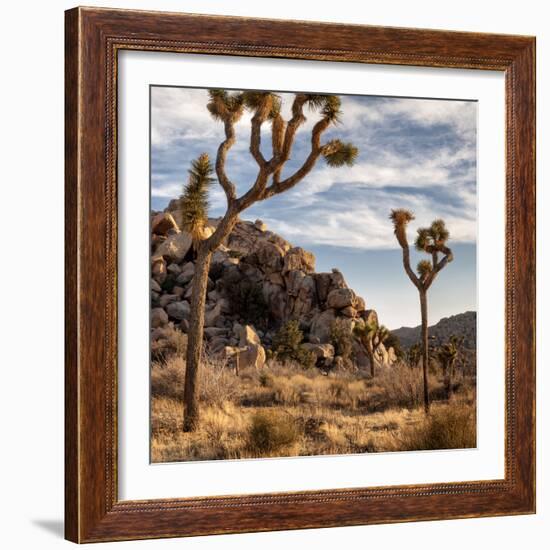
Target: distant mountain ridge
(462,324)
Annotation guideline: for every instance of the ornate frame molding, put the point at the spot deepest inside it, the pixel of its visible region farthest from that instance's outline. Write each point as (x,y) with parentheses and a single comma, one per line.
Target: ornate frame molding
(93,39)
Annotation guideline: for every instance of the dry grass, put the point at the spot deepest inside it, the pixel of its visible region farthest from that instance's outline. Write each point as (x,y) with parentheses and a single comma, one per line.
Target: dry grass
(285,410)
(447,427)
(271,432)
(218,383)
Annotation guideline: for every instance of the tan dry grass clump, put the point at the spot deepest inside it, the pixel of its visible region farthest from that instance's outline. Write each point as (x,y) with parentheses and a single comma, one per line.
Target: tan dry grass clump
(271,431)
(222,435)
(217,383)
(450,426)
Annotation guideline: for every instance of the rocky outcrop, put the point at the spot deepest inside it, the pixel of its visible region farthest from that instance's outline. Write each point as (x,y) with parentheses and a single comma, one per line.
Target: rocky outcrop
(257,282)
(175,247)
(252,356)
(163,223)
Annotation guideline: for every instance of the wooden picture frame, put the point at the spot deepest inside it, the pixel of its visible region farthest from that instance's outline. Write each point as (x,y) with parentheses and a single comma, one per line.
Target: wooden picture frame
(94,36)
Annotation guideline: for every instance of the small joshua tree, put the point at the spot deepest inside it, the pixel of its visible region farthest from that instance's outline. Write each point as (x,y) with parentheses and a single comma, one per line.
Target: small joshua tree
(414,354)
(392,341)
(448,354)
(433,241)
(228,108)
(371,335)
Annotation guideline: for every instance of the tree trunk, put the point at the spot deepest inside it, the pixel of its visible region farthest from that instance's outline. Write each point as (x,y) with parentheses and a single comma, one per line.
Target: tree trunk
(194,339)
(447,379)
(370,354)
(425,357)
(451,378)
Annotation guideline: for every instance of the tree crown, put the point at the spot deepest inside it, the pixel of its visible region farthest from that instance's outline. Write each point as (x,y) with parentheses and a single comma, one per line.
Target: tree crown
(401,217)
(433,238)
(228,107)
(424,268)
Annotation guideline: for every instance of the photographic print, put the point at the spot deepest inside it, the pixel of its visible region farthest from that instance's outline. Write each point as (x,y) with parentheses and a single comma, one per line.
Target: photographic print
(313,274)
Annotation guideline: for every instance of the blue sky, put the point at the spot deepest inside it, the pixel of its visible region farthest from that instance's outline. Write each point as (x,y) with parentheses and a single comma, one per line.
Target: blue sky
(413,153)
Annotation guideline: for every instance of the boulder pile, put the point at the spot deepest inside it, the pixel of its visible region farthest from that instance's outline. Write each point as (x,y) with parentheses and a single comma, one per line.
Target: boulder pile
(257,282)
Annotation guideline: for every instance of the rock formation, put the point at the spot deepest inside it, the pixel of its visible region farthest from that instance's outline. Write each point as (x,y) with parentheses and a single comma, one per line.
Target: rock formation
(257,282)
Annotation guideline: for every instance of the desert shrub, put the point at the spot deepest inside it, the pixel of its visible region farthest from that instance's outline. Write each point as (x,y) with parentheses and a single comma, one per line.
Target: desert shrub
(174,342)
(335,436)
(344,393)
(247,300)
(270,431)
(287,340)
(400,386)
(223,433)
(218,383)
(336,390)
(265,379)
(342,340)
(167,378)
(222,421)
(287,345)
(166,415)
(285,391)
(447,427)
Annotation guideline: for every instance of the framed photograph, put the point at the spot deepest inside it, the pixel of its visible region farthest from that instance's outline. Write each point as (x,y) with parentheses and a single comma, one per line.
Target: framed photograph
(300,275)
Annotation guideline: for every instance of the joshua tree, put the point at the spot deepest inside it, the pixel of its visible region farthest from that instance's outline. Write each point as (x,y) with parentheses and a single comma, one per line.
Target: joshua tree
(392,341)
(228,108)
(448,354)
(414,354)
(371,335)
(433,241)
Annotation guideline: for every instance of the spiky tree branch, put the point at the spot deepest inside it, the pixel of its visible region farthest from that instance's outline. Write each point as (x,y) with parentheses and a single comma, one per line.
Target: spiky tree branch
(194,200)
(229,110)
(400,219)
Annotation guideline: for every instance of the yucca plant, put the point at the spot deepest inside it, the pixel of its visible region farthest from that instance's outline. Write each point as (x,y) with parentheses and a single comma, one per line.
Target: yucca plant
(371,335)
(448,354)
(414,354)
(194,200)
(228,108)
(433,241)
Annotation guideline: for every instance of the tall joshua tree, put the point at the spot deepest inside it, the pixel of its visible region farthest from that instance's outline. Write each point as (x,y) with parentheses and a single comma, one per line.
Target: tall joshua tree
(265,107)
(433,241)
(371,335)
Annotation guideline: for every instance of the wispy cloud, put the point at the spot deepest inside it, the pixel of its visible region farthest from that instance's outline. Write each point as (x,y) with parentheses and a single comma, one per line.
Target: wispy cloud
(460,115)
(365,224)
(414,153)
